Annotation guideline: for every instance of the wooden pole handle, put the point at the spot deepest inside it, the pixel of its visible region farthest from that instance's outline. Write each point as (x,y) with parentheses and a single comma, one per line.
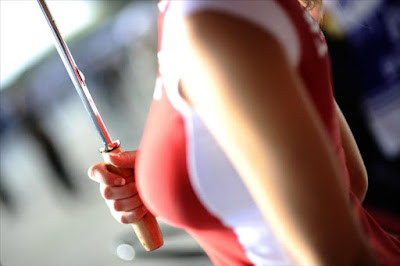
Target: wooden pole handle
(146,229)
(148,232)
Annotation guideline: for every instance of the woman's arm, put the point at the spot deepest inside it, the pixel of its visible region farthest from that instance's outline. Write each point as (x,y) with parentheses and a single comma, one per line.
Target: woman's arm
(354,161)
(238,79)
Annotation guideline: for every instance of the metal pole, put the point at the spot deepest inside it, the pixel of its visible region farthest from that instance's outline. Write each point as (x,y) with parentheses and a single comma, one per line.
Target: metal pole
(78,80)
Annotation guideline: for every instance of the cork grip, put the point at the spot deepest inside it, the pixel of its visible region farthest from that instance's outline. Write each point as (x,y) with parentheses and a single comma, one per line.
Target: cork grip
(147,230)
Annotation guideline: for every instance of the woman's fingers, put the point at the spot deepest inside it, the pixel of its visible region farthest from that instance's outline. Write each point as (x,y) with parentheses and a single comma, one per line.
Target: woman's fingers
(125,159)
(121,192)
(127,204)
(130,216)
(128,210)
(102,175)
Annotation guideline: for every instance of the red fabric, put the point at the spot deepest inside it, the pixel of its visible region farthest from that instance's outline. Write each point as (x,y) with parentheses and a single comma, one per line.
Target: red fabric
(386,247)
(389,221)
(164,186)
(162,174)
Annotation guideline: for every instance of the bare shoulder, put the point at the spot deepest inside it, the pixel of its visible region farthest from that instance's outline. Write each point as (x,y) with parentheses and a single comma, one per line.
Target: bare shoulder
(238,49)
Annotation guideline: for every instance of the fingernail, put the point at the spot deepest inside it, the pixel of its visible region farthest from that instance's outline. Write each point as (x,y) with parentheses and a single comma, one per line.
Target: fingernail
(119,182)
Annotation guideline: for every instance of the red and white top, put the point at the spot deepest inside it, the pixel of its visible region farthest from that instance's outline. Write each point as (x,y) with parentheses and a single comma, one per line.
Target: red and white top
(183,176)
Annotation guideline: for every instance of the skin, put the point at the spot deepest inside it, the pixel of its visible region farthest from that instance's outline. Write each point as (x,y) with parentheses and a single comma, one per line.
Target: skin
(354,162)
(227,81)
(119,193)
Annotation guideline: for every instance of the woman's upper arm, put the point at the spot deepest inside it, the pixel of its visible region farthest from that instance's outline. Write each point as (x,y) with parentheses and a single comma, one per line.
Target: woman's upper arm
(239,80)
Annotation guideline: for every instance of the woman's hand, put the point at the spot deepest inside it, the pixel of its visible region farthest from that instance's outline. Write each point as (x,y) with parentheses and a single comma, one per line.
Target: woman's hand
(117,186)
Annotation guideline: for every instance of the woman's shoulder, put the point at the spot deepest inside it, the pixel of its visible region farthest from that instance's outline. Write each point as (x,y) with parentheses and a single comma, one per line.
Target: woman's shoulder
(272,16)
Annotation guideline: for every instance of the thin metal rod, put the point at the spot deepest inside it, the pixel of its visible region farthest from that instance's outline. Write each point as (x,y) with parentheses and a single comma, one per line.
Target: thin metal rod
(76,77)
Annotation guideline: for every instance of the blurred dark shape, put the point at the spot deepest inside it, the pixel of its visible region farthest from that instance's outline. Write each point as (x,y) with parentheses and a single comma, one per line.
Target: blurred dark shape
(6,122)
(61,174)
(19,115)
(6,198)
(365,55)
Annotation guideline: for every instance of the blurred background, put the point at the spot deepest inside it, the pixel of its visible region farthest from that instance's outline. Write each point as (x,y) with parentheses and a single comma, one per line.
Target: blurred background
(364,45)
(52,214)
